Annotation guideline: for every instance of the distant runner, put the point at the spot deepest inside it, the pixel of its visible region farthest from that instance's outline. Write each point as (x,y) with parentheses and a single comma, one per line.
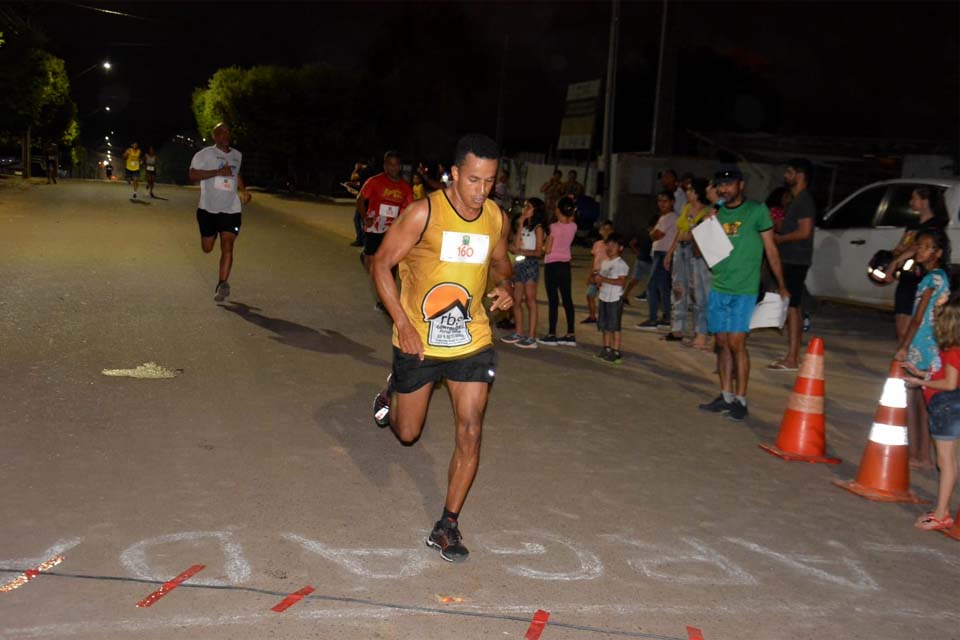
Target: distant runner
(131,158)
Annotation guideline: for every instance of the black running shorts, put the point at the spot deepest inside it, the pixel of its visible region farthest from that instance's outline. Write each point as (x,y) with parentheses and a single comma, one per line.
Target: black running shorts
(410,374)
(213,223)
(794,275)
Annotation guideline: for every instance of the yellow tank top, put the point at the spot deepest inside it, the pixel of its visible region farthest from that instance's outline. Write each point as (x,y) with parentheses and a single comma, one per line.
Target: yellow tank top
(133,160)
(443,280)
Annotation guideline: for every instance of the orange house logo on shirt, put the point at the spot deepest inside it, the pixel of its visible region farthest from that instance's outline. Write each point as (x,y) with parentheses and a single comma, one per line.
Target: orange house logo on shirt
(446,307)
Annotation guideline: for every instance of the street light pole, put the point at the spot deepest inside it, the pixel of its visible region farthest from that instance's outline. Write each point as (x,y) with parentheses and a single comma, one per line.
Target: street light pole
(610,95)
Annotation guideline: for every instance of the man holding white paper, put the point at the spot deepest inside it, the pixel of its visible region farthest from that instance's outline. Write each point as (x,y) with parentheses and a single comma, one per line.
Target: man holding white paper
(735,287)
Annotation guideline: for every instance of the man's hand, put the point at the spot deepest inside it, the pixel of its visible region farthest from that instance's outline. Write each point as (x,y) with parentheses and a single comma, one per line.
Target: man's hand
(784,293)
(502,297)
(901,354)
(410,342)
(245,196)
(225,171)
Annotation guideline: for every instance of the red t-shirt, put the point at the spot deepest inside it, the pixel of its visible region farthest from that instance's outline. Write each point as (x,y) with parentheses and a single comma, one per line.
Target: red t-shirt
(386,199)
(949,357)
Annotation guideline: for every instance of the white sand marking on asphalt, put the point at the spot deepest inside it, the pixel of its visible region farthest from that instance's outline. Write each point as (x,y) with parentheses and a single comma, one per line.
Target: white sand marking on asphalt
(146,371)
(59,548)
(941,557)
(661,556)
(590,566)
(358,561)
(134,557)
(861,582)
(563,514)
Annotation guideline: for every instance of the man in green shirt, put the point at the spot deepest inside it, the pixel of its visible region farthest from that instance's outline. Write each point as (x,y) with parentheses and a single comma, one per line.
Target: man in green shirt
(736,286)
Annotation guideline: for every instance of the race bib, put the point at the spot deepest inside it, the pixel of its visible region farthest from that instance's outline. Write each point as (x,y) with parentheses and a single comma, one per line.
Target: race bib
(470,248)
(225,183)
(389,211)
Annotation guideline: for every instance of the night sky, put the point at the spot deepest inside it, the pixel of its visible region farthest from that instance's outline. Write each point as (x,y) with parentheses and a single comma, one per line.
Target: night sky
(855,69)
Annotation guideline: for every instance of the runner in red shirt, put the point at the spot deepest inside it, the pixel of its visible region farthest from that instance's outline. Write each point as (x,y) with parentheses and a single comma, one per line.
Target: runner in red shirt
(381,200)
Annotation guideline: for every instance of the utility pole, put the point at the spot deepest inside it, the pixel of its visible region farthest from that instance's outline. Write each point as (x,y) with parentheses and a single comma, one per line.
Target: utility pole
(610,96)
(661,136)
(503,90)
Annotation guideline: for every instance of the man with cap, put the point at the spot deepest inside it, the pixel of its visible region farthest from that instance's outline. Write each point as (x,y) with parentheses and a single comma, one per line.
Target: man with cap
(795,243)
(735,287)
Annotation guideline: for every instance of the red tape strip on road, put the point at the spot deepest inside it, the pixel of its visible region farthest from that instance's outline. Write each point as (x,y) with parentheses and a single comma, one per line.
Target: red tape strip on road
(537,625)
(694,634)
(30,574)
(292,599)
(171,585)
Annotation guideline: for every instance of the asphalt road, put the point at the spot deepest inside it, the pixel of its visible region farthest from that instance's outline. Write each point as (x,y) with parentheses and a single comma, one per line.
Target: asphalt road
(604,497)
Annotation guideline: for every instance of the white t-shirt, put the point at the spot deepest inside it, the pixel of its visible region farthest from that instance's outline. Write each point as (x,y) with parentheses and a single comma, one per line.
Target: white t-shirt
(668,224)
(612,268)
(219,193)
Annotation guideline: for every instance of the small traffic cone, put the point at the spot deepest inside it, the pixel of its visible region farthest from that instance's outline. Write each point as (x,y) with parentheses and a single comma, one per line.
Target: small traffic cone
(954,531)
(802,436)
(884,473)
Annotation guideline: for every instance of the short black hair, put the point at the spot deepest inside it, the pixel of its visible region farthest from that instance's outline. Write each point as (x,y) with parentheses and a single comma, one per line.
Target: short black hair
(607,222)
(802,165)
(392,153)
(479,145)
(668,194)
(616,237)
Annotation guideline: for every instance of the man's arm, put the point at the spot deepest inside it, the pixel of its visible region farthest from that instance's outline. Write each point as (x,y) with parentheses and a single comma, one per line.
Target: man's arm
(803,231)
(245,196)
(773,259)
(401,237)
(196,175)
(502,268)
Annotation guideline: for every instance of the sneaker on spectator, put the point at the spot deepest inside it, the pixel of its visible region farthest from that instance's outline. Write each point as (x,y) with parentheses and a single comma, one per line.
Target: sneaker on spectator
(737,411)
(589,321)
(513,338)
(649,325)
(526,342)
(717,405)
(615,357)
(568,340)
(602,354)
(549,341)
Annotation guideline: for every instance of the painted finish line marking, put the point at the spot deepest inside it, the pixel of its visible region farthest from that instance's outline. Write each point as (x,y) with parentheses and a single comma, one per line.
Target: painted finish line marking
(292,599)
(169,586)
(30,574)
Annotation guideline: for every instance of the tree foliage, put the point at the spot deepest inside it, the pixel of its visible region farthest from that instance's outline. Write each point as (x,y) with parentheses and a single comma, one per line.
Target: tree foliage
(35,91)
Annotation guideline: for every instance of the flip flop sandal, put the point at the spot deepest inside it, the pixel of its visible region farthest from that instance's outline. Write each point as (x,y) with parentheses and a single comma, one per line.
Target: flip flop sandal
(779,366)
(930,522)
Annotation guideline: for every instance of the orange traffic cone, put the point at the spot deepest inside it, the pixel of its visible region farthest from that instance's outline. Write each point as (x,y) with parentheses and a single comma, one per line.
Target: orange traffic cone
(802,434)
(884,473)
(954,531)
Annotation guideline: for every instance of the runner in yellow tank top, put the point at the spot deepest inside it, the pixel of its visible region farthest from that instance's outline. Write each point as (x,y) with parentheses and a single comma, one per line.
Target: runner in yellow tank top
(131,158)
(445,246)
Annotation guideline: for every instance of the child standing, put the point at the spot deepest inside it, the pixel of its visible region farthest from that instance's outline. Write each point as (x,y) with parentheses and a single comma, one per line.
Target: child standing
(919,344)
(611,278)
(527,247)
(556,273)
(599,252)
(942,395)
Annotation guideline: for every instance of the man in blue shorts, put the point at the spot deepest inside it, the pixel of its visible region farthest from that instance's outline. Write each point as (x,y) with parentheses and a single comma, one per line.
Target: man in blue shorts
(735,287)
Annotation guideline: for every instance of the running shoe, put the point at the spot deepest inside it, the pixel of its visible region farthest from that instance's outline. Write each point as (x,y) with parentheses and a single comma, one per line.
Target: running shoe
(513,338)
(222,291)
(602,354)
(664,324)
(527,342)
(568,340)
(381,405)
(737,411)
(649,325)
(549,341)
(717,405)
(615,357)
(589,321)
(672,338)
(446,537)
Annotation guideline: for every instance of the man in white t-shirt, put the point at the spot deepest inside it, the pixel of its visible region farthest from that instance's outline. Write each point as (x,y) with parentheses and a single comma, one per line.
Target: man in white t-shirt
(222,191)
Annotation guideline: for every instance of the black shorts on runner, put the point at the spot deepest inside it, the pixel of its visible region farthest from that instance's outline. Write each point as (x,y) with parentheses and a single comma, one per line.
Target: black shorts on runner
(794,275)
(410,374)
(213,223)
(132,175)
(371,242)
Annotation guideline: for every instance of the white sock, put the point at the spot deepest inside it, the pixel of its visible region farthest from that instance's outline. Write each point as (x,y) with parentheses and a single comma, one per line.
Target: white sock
(727,396)
(742,400)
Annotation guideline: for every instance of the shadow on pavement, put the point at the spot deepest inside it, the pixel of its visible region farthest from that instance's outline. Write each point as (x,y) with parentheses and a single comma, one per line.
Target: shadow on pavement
(375,451)
(303,337)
